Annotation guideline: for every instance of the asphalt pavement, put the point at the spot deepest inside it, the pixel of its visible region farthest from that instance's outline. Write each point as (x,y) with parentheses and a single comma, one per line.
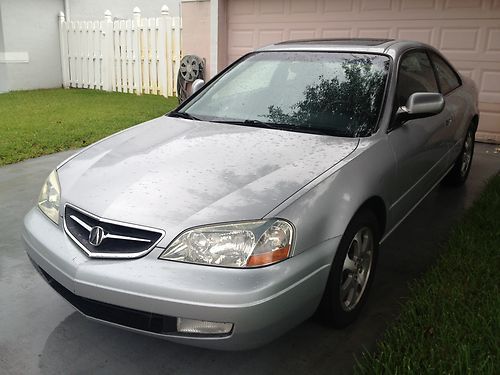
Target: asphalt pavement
(40,333)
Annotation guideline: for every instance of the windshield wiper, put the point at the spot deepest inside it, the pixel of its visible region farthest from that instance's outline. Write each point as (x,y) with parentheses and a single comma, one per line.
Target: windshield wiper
(256,123)
(287,127)
(270,125)
(184,115)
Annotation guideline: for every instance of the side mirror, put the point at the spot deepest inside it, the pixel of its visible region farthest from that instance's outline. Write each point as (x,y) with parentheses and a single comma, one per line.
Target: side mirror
(421,104)
(197,84)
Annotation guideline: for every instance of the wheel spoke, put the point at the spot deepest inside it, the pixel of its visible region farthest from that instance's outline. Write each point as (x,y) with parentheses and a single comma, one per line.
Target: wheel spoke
(362,279)
(356,245)
(467,154)
(366,243)
(349,264)
(358,289)
(466,160)
(348,290)
(367,260)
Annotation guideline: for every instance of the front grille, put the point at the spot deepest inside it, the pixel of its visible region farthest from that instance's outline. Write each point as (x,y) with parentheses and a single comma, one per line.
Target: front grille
(102,238)
(142,320)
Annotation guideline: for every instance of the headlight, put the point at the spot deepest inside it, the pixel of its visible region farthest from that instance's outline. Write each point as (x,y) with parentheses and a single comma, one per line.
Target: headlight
(245,244)
(50,197)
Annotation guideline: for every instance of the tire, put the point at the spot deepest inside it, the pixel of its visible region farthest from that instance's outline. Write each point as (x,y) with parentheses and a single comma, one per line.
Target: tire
(461,168)
(351,276)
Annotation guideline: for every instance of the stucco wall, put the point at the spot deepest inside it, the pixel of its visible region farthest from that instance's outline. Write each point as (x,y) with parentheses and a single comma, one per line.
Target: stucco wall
(34,32)
(3,67)
(94,9)
(31,26)
(196,30)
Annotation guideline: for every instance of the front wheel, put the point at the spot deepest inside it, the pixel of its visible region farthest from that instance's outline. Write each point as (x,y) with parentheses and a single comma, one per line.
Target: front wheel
(352,271)
(458,174)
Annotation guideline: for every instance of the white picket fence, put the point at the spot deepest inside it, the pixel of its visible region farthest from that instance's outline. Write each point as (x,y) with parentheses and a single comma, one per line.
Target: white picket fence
(138,55)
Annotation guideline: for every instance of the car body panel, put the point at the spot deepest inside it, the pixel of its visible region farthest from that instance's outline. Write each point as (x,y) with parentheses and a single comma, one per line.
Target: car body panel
(463,103)
(421,148)
(339,195)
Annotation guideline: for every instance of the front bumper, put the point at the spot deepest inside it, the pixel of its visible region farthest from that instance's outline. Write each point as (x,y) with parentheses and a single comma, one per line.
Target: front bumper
(262,303)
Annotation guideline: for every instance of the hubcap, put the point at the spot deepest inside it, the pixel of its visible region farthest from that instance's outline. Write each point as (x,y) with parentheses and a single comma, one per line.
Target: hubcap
(467,154)
(356,269)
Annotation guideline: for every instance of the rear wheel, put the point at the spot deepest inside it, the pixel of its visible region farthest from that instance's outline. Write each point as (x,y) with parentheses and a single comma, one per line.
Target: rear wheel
(460,171)
(352,271)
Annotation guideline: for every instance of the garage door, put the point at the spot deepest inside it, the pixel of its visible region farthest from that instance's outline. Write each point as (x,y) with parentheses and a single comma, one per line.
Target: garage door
(466,31)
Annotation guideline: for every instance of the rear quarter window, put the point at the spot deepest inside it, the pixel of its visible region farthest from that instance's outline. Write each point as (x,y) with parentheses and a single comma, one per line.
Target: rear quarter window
(447,77)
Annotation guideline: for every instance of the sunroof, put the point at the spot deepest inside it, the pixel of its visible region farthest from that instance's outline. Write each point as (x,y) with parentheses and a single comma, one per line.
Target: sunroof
(356,42)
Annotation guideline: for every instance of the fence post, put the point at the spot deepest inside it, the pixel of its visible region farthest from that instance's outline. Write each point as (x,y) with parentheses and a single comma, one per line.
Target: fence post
(108,52)
(176,25)
(169,49)
(63,41)
(146,82)
(136,50)
(162,51)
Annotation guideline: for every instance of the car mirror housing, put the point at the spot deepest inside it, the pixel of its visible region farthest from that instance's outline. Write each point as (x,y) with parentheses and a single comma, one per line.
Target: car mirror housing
(197,84)
(421,104)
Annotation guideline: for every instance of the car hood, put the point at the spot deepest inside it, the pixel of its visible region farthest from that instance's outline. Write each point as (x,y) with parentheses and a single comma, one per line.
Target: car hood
(173,173)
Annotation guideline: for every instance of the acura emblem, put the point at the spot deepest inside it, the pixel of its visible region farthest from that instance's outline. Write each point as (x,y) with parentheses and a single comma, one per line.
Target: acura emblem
(96,236)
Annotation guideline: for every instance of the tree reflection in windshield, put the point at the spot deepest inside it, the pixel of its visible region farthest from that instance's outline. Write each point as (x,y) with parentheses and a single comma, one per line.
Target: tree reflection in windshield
(349,107)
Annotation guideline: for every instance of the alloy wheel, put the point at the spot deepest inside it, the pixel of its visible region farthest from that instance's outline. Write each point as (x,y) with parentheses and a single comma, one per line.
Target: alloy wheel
(356,268)
(467,154)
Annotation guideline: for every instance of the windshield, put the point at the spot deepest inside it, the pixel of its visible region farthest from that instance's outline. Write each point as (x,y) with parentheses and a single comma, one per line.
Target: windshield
(324,92)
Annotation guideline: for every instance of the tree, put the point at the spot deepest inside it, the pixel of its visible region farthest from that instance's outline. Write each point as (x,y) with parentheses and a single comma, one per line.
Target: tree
(347,106)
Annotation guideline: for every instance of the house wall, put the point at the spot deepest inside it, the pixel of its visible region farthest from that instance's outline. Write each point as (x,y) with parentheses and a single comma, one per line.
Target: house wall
(94,9)
(29,35)
(222,14)
(196,30)
(3,66)
(30,53)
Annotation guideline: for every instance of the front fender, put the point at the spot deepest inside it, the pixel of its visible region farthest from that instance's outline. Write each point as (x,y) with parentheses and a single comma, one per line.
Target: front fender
(325,210)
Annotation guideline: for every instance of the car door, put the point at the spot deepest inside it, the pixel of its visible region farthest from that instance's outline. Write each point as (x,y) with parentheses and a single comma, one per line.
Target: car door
(419,145)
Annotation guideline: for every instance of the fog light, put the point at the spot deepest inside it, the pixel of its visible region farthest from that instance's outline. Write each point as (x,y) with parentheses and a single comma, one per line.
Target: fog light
(202,327)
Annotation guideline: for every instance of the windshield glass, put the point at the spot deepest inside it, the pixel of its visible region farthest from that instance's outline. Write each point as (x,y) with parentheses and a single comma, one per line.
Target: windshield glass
(332,93)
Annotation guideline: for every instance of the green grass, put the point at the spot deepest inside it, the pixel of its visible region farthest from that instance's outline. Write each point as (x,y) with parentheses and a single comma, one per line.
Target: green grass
(40,122)
(451,322)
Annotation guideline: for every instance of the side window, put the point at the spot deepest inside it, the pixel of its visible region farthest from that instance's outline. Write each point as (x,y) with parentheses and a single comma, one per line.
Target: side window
(415,75)
(448,78)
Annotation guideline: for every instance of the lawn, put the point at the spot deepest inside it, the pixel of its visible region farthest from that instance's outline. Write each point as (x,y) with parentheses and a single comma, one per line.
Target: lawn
(40,122)
(451,321)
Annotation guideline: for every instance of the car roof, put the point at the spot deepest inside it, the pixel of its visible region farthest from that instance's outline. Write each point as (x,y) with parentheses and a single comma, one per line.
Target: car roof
(368,45)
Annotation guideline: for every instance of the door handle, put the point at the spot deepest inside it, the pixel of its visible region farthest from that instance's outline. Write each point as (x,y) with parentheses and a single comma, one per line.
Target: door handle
(448,122)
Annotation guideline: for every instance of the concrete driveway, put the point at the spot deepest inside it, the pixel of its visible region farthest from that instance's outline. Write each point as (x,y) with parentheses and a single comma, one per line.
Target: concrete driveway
(41,333)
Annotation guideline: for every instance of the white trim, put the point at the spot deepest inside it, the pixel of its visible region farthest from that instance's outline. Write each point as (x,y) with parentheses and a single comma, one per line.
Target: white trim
(14,57)
(214,36)
(67,11)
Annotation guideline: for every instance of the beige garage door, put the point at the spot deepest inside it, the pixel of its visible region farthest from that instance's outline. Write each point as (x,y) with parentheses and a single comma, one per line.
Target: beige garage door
(466,31)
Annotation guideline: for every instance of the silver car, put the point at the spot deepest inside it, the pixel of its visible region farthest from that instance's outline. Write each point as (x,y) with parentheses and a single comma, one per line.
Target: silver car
(261,200)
